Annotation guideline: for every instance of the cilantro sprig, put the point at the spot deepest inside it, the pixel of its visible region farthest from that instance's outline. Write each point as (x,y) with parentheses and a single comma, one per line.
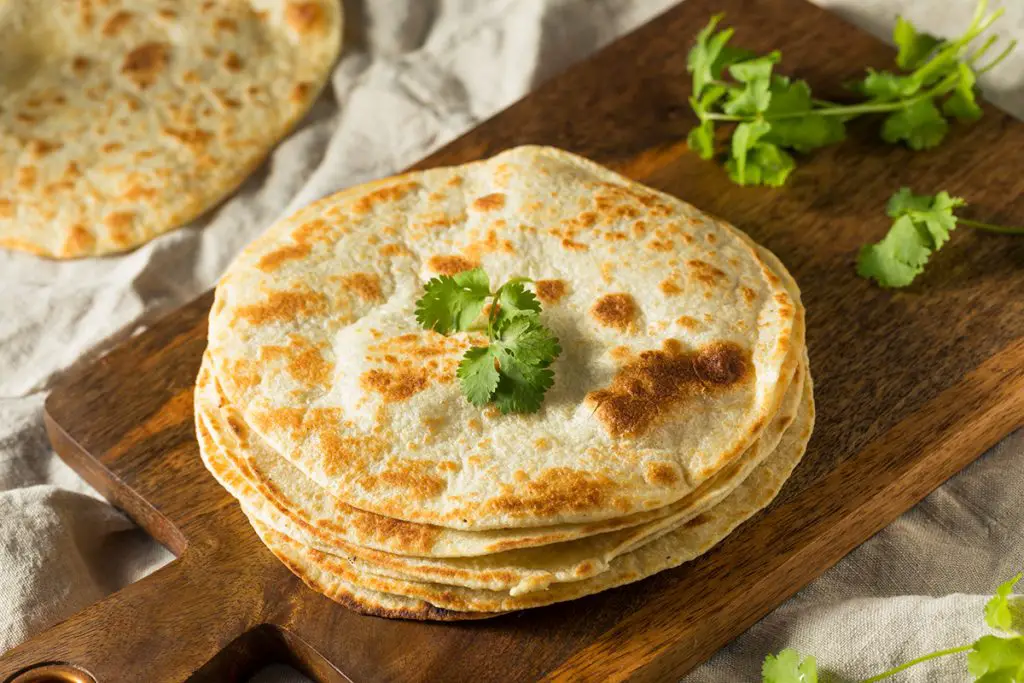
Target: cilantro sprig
(513,370)
(773,116)
(990,659)
(922,225)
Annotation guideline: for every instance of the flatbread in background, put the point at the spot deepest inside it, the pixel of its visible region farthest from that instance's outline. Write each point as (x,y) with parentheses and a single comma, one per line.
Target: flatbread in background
(121,120)
(333,575)
(313,338)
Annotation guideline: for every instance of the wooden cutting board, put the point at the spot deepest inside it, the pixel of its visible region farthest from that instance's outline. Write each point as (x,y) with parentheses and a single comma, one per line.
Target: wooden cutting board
(911,386)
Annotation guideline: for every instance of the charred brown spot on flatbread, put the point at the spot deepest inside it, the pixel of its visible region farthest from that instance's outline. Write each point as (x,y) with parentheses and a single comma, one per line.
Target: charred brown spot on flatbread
(490,202)
(722,364)
(670,287)
(663,473)
(366,286)
(232,62)
(116,23)
(554,490)
(119,226)
(26,177)
(146,63)
(705,273)
(315,231)
(301,92)
(395,385)
(697,521)
(416,537)
(194,139)
(284,306)
(489,245)
(617,310)
(79,64)
(307,364)
(79,240)
(416,478)
(239,428)
(40,148)
(305,17)
(384,195)
(550,291)
(657,382)
(450,264)
(225,24)
(273,260)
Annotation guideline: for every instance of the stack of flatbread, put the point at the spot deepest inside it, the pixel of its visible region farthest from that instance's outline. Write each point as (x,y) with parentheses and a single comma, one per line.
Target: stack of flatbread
(122,119)
(681,403)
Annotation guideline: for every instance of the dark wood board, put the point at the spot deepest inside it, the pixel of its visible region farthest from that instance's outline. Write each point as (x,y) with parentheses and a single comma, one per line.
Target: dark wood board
(911,386)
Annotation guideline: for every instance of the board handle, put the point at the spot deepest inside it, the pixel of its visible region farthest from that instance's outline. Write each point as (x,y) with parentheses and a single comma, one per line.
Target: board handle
(165,627)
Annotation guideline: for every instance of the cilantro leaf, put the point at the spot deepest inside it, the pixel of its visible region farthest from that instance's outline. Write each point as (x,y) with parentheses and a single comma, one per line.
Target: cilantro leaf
(701,139)
(755,69)
(514,299)
(937,83)
(923,224)
(997,609)
(802,133)
(757,163)
(513,369)
(524,348)
(477,375)
(997,660)
(920,124)
(897,259)
(526,340)
(914,46)
(770,165)
(756,75)
(885,85)
(522,389)
(905,201)
(704,57)
(728,56)
(787,667)
(453,303)
(935,213)
(962,103)
(744,138)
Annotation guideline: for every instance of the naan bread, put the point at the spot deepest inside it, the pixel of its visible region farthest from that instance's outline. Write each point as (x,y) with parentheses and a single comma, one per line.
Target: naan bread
(333,575)
(678,344)
(120,120)
(301,515)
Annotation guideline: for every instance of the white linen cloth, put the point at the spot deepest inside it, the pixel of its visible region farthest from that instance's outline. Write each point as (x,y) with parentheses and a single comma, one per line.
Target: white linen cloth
(413,75)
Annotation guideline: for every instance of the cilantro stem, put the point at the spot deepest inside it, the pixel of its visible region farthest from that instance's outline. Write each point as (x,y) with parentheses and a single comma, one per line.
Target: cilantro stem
(944,86)
(980,52)
(1002,55)
(1002,229)
(913,662)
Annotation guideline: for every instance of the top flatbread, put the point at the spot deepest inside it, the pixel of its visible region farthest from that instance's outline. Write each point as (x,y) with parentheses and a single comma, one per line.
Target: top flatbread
(678,344)
(120,120)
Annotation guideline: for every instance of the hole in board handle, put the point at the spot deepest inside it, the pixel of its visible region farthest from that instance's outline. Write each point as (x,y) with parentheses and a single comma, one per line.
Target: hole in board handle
(54,673)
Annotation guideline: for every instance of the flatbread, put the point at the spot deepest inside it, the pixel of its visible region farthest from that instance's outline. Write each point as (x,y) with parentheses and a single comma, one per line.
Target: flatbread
(313,339)
(326,573)
(121,120)
(295,508)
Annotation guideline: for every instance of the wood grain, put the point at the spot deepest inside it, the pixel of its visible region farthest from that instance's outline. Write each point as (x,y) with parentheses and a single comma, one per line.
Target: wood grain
(911,386)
